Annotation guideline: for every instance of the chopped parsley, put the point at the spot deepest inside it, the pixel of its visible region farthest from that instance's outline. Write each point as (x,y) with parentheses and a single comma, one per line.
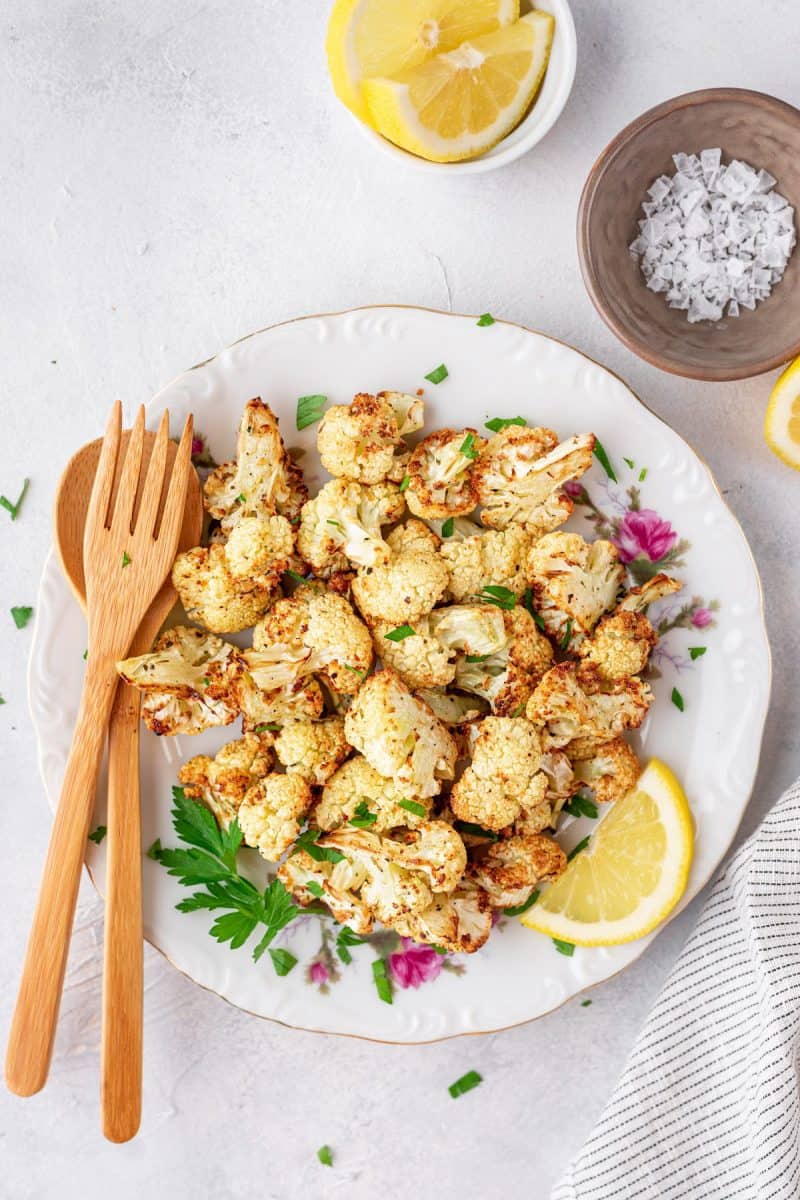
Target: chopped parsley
(308,841)
(519,909)
(355,670)
(21,613)
(643,475)
(344,940)
(126,558)
(581,806)
(362,818)
(383,984)
(155,851)
(498,423)
(576,850)
(629,463)
(241,498)
(400,634)
(519,710)
(467,447)
(678,700)
(585,1003)
(485,319)
(13,508)
(98,834)
(604,460)
(404,482)
(315,888)
(567,638)
(438,374)
(2,700)
(282,960)
(413,806)
(697,652)
(270,727)
(473,658)
(338,524)
(465,1084)
(565,948)
(469,827)
(325,1156)
(503,597)
(297,578)
(310,410)
(527,602)
(85,654)
(448,526)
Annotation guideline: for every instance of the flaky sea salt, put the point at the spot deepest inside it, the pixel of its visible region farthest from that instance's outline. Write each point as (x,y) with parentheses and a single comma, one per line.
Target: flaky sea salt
(714,238)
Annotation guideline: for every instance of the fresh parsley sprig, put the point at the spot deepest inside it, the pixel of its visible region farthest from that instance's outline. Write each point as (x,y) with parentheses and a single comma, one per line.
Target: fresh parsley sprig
(208,861)
(310,410)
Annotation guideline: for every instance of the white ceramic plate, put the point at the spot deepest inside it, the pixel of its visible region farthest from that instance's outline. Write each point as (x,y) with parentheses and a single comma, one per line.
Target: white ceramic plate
(674,517)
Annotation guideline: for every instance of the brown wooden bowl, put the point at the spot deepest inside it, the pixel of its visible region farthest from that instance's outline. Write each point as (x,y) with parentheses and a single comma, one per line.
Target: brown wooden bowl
(759,129)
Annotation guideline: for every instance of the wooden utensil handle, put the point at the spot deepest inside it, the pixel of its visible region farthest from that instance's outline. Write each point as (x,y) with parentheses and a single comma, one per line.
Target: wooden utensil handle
(30,1042)
(121,1067)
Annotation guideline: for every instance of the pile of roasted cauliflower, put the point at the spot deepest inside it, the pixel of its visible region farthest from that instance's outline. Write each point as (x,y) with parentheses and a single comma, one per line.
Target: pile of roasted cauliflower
(436,668)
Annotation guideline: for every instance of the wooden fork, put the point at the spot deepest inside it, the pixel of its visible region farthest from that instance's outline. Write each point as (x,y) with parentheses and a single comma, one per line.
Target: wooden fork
(127,554)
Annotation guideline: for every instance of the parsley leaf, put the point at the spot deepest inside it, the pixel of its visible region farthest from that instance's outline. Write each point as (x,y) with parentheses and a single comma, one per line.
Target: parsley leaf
(297,578)
(344,940)
(126,559)
(383,983)
(643,475)
(438,374)
(413,806)
(310,410)
(473,658)
(98,834)
(465,1084)
(519,710)
(270,727)
(604,460)
(404,482)
(467,447)
(308,841)
(282,960)
(485,319)
(576,850)
(565,948)
(13,508)
(325,1156)
(362,818)
(697,652)
(585,1003)
(448,526)
(498,423)
(521,908)
(678,700)
(527,602)
(581,806)
(629,463)
(315,888)
(503,597)
(21,613)
(399,634)
(155,850)
(567,638)
(469,827)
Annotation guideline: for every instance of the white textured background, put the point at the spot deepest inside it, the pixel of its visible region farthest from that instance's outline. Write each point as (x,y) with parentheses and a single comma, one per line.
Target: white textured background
(172,176)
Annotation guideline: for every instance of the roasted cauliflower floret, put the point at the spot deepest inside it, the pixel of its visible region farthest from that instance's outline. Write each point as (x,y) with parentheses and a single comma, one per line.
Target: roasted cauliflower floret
(611,773)
(419,659)
(574,583)
(452,708)
(435,849)
(440,473)
(521,473)
(561,783)
(470,629)
(189,680)
(312,631)
(510,870)
(342,525)
(300,701)
(497,557)
(339,885)
(389,889)
(409,585)
(459,923)
(216,598)
(272,812)
(221,783)
(312,749)
(576,713)
(259,546)
(622,641)
(501,781)
(399,735)
(356,787)
(361,440)
(262,480)
(508,676)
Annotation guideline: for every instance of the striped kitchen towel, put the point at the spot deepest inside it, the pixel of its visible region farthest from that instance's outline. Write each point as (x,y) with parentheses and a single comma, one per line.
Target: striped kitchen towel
(708,1106)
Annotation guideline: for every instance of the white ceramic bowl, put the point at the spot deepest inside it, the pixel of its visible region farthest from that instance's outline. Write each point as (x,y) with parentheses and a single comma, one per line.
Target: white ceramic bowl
(544,113)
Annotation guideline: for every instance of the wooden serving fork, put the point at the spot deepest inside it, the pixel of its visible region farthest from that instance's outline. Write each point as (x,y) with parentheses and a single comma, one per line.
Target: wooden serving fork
(128,551)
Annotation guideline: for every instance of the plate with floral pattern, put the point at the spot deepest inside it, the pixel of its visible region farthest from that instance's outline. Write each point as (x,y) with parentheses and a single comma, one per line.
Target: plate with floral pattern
(659,505)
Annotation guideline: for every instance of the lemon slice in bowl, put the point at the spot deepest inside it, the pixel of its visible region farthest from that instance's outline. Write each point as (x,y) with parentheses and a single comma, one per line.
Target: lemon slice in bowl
(782,423)
(386,37)
(632,873)
(460,104)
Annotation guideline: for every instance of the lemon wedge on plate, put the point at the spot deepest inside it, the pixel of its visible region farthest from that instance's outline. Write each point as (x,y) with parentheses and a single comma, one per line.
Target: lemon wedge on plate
(385,37)
(632,873)
(461,103)
(782,424)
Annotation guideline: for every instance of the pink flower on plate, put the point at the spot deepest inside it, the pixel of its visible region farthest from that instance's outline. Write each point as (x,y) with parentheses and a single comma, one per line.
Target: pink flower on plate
(702,617)
(643,533)
(198,445)
(573,488)
(318,973)
(414,964)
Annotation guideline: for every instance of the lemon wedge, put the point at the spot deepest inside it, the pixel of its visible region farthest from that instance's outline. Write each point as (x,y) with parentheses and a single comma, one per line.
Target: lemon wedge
(385,37)
(782,423)
(632,873)
(461,103)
